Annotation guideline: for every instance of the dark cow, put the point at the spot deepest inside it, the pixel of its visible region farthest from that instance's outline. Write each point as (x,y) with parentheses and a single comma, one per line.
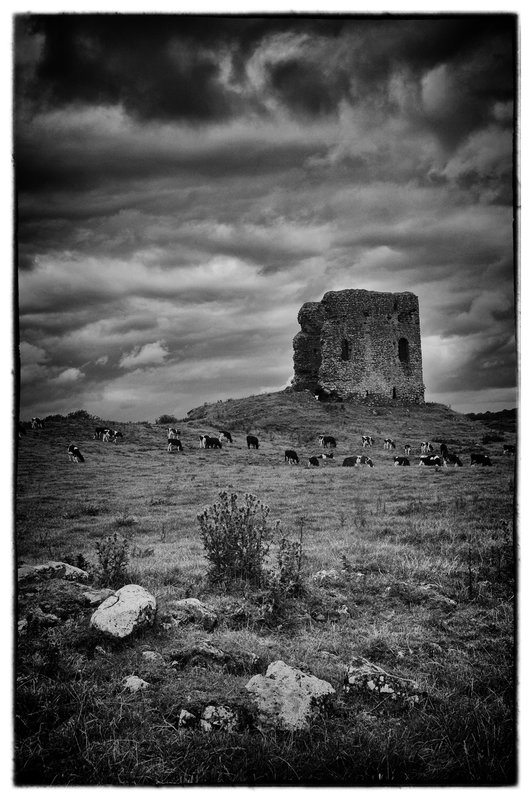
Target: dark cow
(426,447)
(401,461)
(389,444)
(174,444)
(509,449)
(252,441)
(224,436)
(444,449)
(36,423)
(367,441)
(327,441)
(452,458)
(481,459)
(110,435)
(355,461)
(407,449)
(98,433)
(325,457)
(74,454)
(313,461)
(212,443)
(291,457)
(430,461)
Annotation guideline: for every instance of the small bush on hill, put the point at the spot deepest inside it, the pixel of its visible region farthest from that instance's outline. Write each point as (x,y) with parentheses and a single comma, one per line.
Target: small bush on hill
(165,419)
(81,414)
(113,560)
(236,538)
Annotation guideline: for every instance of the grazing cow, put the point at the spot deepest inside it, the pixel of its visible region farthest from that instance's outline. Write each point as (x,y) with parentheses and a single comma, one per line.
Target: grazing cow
(444,449)
(509,449)
(202,440)
(325,457)
(224,436)
(426,447)
(367,441)
(407,449)
(430,461)
(389,444)
(313,461)
(109,435)
(355,461)
(401,461)
(98,433)
(212,443)
(291,457)
(327,441)
(36,423)
(252,441)
(174,444)
(451,458)
(481,459)
(74,454)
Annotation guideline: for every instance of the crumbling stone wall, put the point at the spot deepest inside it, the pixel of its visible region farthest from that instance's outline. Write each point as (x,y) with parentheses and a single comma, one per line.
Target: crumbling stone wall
(360,344)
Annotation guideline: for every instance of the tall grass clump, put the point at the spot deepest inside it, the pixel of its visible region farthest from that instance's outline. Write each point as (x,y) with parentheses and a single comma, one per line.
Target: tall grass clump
(237,538)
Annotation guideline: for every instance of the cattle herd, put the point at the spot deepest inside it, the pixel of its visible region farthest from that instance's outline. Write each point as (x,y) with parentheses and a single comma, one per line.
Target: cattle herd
(428,457)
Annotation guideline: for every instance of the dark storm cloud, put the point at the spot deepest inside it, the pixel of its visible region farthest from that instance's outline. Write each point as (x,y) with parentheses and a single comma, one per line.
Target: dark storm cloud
(170,67)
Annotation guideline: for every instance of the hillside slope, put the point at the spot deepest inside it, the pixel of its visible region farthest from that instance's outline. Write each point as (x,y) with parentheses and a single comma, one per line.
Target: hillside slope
(302,418)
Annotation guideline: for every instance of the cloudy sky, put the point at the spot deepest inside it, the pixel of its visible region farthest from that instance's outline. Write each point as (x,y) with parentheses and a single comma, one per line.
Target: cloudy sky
(185,184)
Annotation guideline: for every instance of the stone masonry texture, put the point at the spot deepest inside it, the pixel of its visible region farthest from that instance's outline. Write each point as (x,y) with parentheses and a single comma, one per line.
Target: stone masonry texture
(360,344)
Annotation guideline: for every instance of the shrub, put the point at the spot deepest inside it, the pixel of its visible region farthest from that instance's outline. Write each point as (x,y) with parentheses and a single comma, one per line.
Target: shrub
(80,414)
(113,560)
(236,538)
(165,419)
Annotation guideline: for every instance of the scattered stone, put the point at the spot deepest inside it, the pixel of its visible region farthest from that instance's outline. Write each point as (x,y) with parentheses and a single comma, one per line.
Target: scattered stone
(43,619)
(98,650)
(287,697)
(94,597)
(186,719)
(134,684)
(52,569)
(186,611)
(204,654)
(125,611)
(388,691)
(151,655)
(327,577)
(219,718)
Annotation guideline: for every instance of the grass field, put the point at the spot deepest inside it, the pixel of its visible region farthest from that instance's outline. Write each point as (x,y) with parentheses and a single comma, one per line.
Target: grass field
(424,563)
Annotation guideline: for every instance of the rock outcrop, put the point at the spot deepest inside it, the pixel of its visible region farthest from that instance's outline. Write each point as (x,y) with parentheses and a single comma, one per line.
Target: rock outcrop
(287,697)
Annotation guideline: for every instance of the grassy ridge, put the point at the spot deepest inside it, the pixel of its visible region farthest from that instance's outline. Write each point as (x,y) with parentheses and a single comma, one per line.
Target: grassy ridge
(424,566)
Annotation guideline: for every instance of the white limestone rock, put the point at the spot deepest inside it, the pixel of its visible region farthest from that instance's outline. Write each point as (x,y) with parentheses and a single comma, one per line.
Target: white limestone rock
(125,611)
(52,569)
(134,684)
(288,697)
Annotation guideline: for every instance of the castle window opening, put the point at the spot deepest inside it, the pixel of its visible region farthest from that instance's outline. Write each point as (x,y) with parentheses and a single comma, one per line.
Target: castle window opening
(403,350)
(345,350)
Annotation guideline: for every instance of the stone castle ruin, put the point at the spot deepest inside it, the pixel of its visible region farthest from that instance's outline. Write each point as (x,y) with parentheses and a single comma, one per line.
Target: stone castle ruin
(360,344)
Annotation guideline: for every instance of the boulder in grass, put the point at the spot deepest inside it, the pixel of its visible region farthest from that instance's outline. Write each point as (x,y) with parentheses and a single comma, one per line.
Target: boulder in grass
(218,718)
(134,684)
(189,610)
(378,688)
(287,697)
(52,569)
(125,611)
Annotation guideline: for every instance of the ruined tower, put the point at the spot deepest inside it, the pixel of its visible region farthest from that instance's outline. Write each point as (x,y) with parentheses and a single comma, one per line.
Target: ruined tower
(360,344)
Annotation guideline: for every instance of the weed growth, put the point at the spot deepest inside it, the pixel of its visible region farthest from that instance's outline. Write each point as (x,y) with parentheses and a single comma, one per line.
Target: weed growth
(236,538)
(113,559)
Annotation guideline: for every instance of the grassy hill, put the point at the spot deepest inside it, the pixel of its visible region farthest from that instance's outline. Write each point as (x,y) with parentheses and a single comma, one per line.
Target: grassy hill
(420,567)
